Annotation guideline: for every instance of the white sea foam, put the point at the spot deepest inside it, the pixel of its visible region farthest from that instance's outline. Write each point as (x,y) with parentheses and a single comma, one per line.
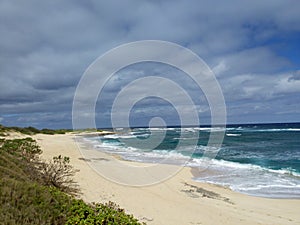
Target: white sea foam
(186,138)
(246,178)
(251,179)
(249,129)
(276,130)
(233,135)
(210,129)
(125,136)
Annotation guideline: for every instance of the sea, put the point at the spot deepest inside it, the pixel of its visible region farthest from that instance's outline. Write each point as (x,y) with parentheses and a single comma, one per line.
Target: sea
(255,159)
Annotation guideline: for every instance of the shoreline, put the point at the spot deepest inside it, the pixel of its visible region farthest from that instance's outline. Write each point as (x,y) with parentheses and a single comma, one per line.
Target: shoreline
(178,200)
(203,171)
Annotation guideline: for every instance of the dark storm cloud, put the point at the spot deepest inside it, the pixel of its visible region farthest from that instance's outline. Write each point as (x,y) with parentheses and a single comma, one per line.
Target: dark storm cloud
(45,47)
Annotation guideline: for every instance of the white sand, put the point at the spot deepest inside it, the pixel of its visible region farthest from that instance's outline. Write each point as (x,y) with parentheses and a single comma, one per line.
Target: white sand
(175,201)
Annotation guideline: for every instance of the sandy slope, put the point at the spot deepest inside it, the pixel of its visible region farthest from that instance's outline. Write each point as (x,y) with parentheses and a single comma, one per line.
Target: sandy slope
(178,200)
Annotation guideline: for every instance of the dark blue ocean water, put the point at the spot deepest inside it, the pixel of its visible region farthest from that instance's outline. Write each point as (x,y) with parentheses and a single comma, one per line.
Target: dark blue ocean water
(257,159)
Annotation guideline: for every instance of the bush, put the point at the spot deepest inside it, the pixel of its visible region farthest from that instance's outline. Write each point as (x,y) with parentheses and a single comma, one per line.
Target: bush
(31,190)
(31,203)
(31,130)
(102,214)
(59,173)
(25,148)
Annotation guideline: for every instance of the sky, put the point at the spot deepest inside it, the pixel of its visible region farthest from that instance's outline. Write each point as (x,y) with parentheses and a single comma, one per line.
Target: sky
(46,46)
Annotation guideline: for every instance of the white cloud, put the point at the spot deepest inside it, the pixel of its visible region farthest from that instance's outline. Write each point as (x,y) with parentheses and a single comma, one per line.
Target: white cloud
(220,68)
(255,60)
(46,46)
(288,84)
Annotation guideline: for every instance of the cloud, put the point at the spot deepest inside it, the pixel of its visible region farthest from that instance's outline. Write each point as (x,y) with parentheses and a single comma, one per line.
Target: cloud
(45,47)
(289,84)
(255,60)
(260,86)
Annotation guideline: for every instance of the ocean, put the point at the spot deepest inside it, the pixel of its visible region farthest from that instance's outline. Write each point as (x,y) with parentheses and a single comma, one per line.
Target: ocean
(257,159)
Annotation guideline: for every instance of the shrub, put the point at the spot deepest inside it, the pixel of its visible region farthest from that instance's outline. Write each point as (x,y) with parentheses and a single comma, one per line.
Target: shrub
(27,148)
(102,214)
(31,203)
(31,130)
(31,190)
(59,173)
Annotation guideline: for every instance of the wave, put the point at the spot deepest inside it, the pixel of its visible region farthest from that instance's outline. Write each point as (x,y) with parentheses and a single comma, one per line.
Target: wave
(246,178)
(221,164)
(240,129)
(231,131)
(251,179)
(277,130)
(216,129)
(233,135)
(125,136)
(192,162)
(183,138)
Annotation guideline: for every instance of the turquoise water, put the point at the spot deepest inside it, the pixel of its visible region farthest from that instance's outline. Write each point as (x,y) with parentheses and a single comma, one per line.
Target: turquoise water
(261,159)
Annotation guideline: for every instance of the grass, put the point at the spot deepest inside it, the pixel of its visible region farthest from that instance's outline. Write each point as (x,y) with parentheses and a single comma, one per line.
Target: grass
(36,192)
(25,202)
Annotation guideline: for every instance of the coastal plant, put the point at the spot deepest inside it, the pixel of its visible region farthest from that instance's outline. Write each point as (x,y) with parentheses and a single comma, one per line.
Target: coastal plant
(33,191)
(31,130)
(27,202)
(59,173)
(25,154)
(27,148)
(102,214)
(3,131)
(19,156)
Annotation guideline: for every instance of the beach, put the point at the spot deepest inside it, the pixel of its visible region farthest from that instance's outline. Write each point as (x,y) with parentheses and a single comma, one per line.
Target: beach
(178,200)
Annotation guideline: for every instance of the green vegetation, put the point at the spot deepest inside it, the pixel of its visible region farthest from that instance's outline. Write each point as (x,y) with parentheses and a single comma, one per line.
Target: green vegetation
(33,191)
(2,131)
(110,213)
(31,130)
(88,130)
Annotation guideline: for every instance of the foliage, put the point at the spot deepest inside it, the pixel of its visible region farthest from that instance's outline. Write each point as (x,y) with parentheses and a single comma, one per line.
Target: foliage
(31,130)
(109,213)
(2,131)
(59,173)
(19,157)
(30,203)
(26,148)
(35,192)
